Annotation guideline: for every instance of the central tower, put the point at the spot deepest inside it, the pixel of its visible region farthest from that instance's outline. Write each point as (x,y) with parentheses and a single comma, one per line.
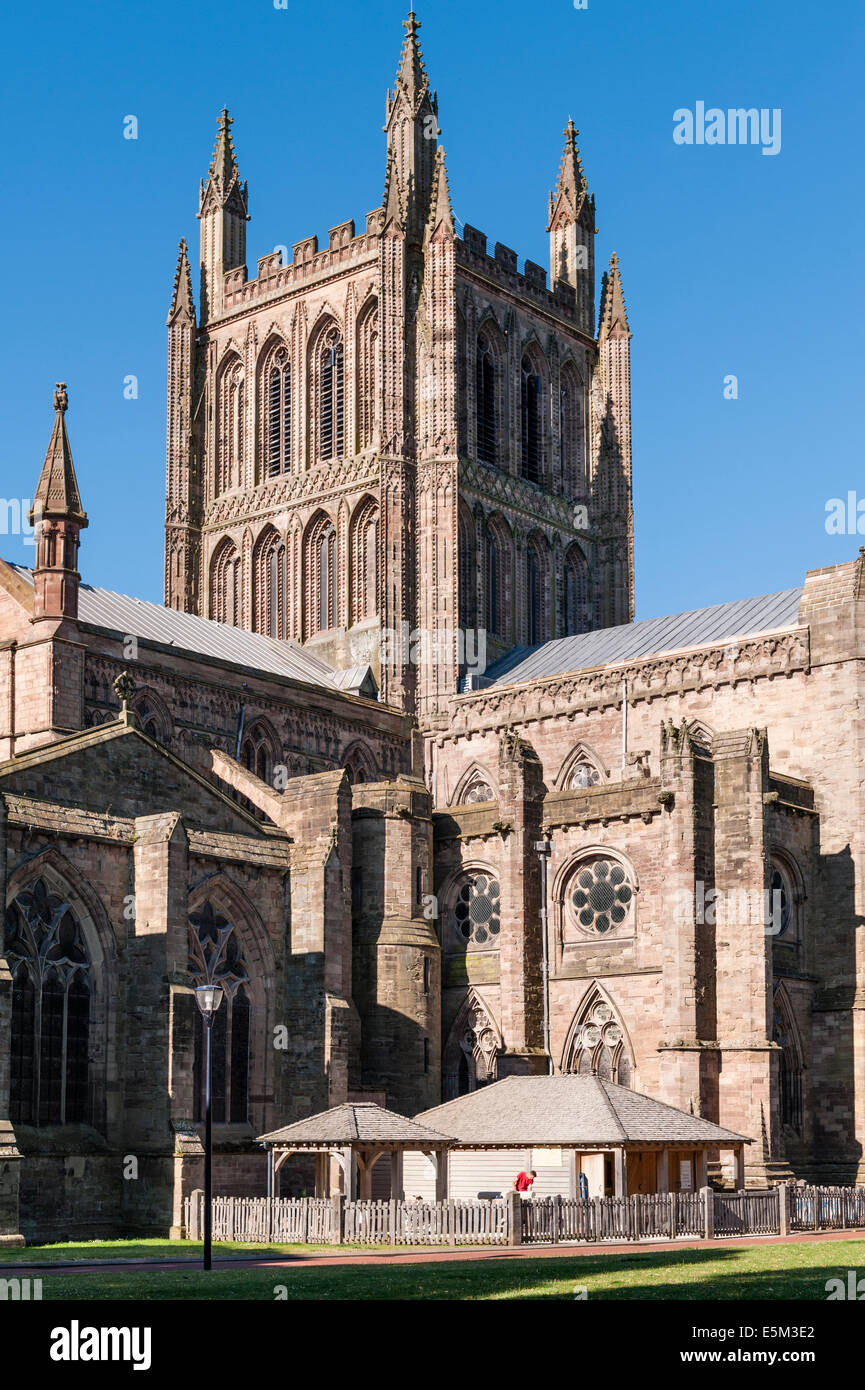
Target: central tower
(382,443)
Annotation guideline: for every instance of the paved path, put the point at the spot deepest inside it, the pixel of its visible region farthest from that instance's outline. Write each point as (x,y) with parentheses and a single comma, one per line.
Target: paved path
(396,1256)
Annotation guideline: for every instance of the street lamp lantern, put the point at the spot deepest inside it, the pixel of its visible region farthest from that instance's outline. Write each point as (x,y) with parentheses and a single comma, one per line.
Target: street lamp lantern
(208,997)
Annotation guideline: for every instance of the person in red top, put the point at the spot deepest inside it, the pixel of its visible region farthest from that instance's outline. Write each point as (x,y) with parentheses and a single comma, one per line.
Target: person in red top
(523,1183)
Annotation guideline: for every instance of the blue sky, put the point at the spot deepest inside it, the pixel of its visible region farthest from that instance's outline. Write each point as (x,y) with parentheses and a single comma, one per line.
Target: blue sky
(733,262)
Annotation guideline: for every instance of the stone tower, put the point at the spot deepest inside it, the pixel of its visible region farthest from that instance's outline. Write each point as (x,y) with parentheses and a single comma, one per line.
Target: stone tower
(400,449)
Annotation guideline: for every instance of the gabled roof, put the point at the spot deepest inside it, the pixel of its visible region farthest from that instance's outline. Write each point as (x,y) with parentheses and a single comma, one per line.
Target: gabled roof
(121,616)
(565,1110)
(357,1122)
(609,645)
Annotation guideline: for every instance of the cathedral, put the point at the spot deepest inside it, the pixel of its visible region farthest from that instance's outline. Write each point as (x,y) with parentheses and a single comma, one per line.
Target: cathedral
(393,763)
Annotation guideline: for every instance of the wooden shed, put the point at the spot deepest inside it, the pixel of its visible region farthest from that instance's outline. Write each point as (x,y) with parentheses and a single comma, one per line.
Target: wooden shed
(564,1126)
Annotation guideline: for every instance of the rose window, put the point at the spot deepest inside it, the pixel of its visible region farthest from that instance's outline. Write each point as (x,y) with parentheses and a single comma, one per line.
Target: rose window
(602,896)
(477,911)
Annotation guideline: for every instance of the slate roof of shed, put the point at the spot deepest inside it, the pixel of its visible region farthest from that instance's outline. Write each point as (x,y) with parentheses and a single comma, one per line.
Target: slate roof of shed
(151,622)
(630,641)
(563,1110)
(358,1122)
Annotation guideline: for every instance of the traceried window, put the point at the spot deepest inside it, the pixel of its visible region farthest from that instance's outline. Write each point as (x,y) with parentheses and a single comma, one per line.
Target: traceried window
(537,592)
(601,897)
(229,448)
(789,1067)
(572,444)
(51,985)
(364,562)
(330,391)
(476,911)
(576,580)
(485,391)
(366,376)
(276,409)
(584,774)
(327,600)
(781,916)
(271,583)
(598,1047)
(467,561)
(149,718)
(215,956)
(255,752)
(321,577)
(531,417)
(226,597)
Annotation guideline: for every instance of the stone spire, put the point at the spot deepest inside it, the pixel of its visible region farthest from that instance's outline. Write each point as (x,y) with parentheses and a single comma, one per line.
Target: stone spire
(57,492)
(412,104)
(57,517)
(571,227)
(223,173)
(182,302)
(411,74)
(222,212)
(571,187)
(440,212)
(613,317)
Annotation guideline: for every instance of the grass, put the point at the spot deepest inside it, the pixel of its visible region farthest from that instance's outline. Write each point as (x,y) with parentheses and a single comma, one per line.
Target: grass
(99,1251)
(728,1273)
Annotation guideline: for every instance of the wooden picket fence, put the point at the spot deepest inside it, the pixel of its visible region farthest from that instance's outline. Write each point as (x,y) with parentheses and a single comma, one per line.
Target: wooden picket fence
(826,1208)
(752,1212)
(512,1220)
(547,1220)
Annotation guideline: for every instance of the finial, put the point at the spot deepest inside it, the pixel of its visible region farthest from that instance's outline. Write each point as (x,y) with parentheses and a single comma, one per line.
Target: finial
(412,24)
(124,689)
(61,399)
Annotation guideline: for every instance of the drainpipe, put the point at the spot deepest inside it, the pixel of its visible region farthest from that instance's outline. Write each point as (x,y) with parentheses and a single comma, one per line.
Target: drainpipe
(624,727)
(543,850)
(240,723)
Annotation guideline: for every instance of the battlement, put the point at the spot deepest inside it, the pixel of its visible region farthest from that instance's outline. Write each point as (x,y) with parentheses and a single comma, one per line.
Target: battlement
(502,267)
(345,248)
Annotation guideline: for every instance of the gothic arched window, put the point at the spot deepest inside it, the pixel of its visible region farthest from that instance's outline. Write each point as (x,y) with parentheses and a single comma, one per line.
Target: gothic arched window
(572,443)
(531,420)
(269,567)
(497,574)
(229,445)
(485,392)
(476,912)
(537,592)
(321,565)
(789,1065)
(364,562)
(329,385)
(467,561)
(576,582)
(226,596)
(276,412)
(598,1045)
(215,957)
(256,752)
(49,1047)
(366,376)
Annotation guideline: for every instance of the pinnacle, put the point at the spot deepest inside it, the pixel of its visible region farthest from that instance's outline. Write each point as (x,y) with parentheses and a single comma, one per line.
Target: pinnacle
(572,180)
(182,302)
(614,315)
(223,164)
(412,73)
(440,203)
(57,491)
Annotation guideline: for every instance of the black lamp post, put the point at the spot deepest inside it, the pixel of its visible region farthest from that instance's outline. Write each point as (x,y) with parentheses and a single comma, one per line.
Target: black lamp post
(208,998)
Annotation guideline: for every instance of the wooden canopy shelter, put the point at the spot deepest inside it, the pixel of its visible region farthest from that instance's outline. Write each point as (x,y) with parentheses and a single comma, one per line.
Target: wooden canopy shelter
(564,1125)
(356,1135)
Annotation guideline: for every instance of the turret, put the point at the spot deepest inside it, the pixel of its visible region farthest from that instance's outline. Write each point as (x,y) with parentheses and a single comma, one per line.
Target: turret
(611,435)
(222,211)
(57,517)
(572,231)
(182,533)
(411,122)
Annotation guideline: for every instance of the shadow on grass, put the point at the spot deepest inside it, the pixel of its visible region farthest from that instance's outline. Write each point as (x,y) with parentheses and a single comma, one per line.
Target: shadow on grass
(778,1272)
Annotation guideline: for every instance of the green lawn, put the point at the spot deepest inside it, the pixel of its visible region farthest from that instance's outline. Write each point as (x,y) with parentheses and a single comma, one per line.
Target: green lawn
(725,1272)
